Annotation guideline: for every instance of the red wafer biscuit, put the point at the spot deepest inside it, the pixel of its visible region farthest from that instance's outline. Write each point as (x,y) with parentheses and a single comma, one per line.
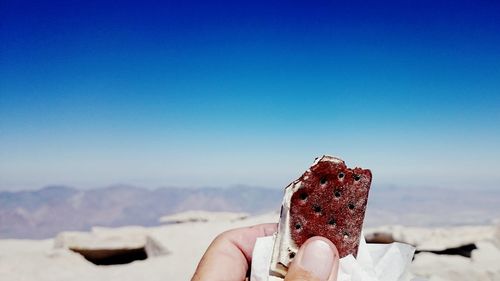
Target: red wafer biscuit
(328,200)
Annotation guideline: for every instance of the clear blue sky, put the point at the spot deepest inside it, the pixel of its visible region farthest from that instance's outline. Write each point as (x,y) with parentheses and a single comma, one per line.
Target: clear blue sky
(215,93)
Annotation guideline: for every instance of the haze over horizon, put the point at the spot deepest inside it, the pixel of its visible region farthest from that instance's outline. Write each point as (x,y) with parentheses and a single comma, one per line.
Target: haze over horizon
(221,93)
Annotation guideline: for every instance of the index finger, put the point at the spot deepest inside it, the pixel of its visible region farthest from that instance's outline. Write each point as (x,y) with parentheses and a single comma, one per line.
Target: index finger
(228,256)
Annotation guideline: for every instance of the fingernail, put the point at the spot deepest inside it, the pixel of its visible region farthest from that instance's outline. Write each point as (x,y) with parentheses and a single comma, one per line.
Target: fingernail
(317,258)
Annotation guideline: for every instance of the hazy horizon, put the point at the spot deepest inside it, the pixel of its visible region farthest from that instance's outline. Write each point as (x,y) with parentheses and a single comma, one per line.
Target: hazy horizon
(45,212)
(236,185)
(223,93)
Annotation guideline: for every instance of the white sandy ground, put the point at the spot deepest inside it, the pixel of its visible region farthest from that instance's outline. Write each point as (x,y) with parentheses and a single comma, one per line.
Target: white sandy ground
(186,242)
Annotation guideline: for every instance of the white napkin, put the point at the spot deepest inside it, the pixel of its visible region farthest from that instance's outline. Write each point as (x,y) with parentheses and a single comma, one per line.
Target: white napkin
(375,262)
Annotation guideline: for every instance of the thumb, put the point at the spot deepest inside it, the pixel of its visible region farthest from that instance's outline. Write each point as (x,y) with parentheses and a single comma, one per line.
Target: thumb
(317,260)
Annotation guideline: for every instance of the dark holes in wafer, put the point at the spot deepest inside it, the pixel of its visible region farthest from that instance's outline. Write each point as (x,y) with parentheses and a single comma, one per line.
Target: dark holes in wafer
(303,196)
(317,209)
(337,193)
(323,180)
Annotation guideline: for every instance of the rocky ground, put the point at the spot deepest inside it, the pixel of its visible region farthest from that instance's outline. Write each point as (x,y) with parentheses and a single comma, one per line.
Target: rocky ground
(173,250)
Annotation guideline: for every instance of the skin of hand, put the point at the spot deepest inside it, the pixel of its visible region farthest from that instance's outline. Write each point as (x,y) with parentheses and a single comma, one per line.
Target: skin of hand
(228,257)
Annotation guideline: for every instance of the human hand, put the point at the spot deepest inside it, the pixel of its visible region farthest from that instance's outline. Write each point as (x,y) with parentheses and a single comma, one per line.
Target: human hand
(230,254)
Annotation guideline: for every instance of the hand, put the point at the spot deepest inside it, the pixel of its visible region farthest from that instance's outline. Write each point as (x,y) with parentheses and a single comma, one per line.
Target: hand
(230,254)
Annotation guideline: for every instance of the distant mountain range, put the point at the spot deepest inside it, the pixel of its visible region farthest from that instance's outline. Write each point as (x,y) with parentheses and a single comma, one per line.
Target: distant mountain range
(45,212)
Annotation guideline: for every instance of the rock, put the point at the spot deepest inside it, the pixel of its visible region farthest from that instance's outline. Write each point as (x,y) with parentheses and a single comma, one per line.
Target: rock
(38,259)
(105,246)
(202,216)
(437,239)
(379,237)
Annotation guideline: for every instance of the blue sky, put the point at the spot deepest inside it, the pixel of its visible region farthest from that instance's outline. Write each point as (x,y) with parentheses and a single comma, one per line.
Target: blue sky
(216,93)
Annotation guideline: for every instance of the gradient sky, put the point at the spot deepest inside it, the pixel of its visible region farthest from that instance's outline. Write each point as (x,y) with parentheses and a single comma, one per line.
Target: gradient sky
(216,93)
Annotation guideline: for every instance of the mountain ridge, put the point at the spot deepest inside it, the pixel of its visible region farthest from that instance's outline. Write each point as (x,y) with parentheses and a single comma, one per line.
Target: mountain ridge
(45,212)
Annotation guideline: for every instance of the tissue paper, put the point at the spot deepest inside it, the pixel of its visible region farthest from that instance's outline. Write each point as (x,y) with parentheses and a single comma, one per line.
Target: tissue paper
(375,262)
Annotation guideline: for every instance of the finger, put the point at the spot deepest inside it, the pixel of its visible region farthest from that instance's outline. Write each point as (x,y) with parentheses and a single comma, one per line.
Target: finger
(316,260)
(229,255)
